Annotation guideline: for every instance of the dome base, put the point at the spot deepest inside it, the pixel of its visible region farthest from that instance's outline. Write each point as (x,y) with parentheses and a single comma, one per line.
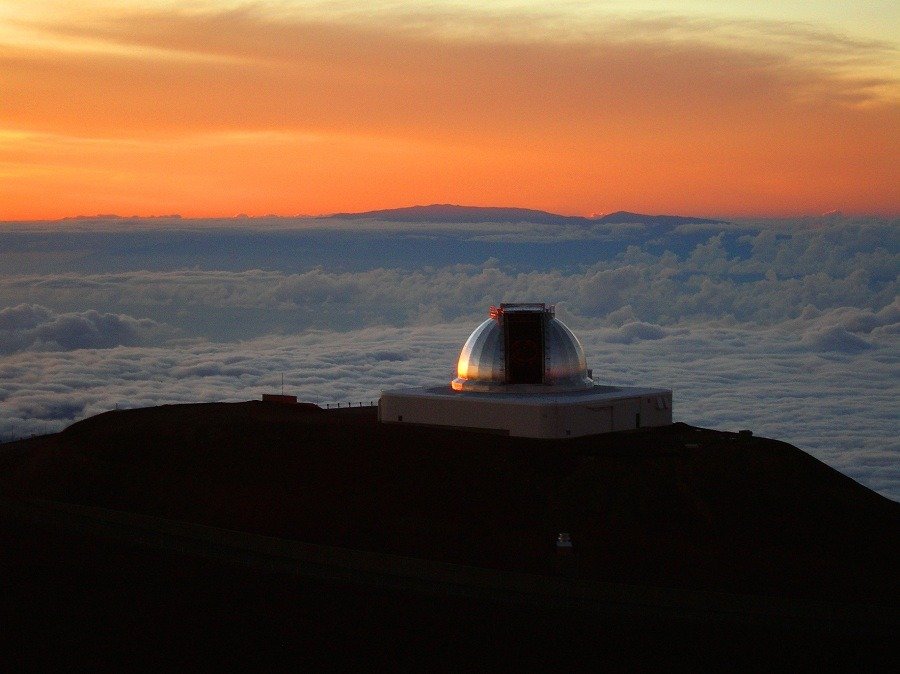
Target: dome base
(475,385)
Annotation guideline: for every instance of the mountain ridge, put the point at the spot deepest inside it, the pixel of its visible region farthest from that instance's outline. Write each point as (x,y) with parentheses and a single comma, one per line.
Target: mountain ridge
(456,214)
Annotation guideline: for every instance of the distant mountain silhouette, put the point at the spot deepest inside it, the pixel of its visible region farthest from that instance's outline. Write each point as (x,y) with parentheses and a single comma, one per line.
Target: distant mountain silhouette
(453,214)
(449,213)
(621,217)
(98,216)
(115,216)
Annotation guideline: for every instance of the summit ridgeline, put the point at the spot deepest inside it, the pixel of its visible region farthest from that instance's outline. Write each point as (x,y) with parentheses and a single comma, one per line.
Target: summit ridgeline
(453,214)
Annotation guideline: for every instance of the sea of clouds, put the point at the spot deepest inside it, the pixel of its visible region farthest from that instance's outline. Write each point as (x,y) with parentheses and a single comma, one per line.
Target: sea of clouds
(790,329)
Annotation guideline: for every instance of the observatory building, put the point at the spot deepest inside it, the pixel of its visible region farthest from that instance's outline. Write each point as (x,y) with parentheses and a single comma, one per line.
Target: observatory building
(522,372)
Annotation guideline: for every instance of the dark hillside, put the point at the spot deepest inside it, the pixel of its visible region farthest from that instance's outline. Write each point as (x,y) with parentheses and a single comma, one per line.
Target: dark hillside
(677,508)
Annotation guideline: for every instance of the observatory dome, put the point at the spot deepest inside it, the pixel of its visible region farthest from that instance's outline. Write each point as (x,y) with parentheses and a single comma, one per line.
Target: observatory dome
(522,348)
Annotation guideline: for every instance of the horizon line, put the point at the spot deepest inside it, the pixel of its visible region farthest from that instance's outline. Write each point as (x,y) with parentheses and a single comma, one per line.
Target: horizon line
(312,216)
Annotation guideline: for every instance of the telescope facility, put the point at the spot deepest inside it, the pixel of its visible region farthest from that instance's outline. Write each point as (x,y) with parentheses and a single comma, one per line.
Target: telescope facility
(522,372)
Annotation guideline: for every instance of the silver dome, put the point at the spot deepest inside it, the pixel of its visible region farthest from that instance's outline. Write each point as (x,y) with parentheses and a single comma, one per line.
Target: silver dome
(558,362)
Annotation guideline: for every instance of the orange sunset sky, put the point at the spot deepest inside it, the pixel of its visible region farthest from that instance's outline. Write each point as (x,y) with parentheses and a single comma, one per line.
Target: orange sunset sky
(211,108)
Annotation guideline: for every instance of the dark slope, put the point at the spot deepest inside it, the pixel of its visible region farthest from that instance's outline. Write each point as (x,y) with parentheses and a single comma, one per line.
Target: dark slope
(452,214)
(781,561)
(624,217)
(674,507)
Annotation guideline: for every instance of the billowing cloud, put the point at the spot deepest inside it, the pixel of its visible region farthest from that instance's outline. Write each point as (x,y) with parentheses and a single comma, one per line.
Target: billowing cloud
(23,317)
(636,331)
(836,338)
(840,274)
(33,327)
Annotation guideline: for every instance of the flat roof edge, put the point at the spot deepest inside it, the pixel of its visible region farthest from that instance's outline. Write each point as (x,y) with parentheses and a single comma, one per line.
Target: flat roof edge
(557,398)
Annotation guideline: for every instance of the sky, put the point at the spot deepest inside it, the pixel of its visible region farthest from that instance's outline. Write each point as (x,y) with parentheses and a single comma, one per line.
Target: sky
(210,108)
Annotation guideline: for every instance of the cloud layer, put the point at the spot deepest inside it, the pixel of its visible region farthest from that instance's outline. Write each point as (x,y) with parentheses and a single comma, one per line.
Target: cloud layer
(789,329)
(822,276)
(31,327)
(838,404)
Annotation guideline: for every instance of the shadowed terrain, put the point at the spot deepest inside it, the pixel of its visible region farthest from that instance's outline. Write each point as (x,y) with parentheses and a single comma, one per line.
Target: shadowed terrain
(676,507)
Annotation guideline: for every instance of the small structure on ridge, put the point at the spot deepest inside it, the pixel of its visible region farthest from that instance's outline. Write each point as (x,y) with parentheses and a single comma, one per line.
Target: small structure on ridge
(522,372)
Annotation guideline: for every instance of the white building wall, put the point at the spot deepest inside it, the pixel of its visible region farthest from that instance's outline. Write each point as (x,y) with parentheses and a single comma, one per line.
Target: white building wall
(530,416)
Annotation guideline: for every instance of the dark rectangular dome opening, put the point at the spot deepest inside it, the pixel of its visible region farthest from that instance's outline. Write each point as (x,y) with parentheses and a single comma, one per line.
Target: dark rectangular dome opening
(524,346)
